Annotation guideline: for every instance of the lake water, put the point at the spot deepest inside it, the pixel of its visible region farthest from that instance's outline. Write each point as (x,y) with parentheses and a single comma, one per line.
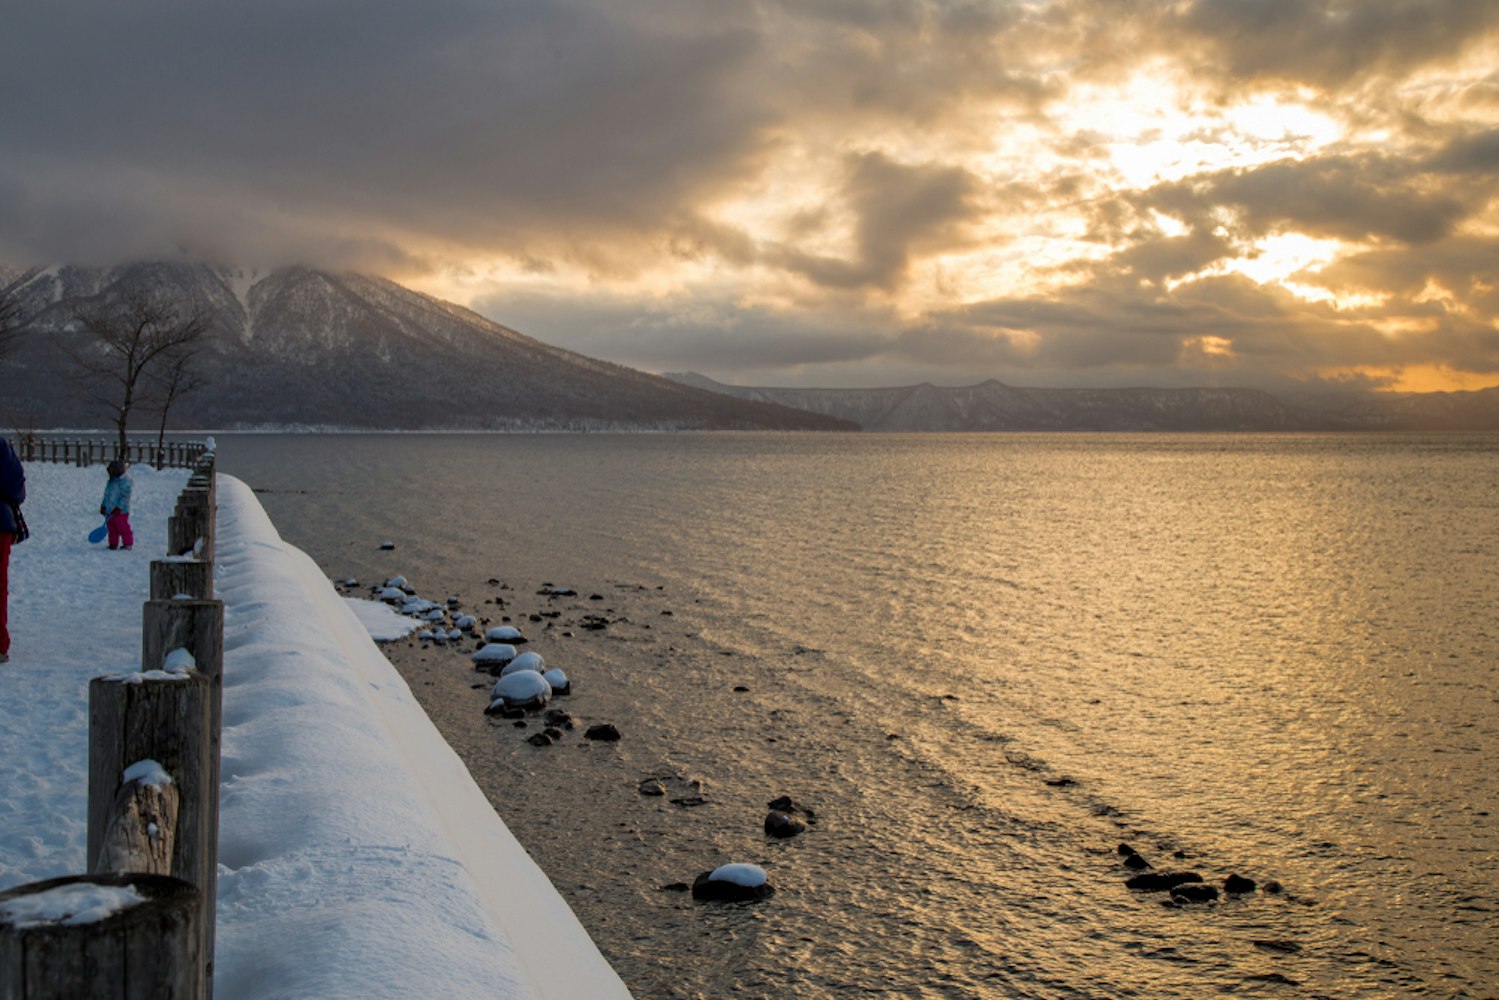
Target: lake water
(984,661)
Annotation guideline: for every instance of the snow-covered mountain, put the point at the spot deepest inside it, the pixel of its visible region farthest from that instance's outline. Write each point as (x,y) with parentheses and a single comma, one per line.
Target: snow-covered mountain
(300,347)
(994,406)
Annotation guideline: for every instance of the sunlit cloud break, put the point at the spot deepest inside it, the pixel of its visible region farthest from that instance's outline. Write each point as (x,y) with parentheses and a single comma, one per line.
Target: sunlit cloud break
(1249,192)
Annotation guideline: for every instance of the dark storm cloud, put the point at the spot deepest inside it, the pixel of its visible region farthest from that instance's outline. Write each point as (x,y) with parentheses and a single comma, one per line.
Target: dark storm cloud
(1332,42)
(1345,197)
(1157,258)
(703,333)
(537,127)
(1113,327)
(1470,154)
(897,207)
(471,122)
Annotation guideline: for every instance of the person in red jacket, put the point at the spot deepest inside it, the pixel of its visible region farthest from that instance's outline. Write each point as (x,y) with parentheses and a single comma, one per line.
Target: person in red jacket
(12,495)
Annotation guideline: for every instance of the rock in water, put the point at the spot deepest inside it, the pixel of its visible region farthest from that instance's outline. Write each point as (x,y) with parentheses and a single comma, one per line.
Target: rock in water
(783,825)
(1238,885)
(736,883)
(1194,892)
(787,817)
(1160,881)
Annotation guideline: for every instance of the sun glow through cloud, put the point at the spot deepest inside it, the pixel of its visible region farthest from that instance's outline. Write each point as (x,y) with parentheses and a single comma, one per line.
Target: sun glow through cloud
(883,185)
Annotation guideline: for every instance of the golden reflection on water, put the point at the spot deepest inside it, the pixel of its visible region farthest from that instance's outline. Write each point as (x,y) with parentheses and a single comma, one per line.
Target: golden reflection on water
(990,659)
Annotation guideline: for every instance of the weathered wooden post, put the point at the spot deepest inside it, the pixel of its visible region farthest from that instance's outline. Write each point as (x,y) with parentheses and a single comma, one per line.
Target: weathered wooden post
(198,627)
(174,579)
(153,716)
(160,717)
(192,519)
(190,524)
(140,826)
(104,937)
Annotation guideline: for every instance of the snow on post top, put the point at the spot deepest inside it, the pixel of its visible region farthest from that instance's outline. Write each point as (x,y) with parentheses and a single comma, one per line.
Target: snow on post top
(69,905)
(179,661)
(147,772)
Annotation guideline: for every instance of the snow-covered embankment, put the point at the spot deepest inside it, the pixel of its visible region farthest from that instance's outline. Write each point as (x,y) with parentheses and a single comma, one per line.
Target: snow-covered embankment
(357,857)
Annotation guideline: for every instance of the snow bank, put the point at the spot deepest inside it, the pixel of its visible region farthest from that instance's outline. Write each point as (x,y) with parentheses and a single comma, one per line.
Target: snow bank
(357,856)
(75,614)
(383,622)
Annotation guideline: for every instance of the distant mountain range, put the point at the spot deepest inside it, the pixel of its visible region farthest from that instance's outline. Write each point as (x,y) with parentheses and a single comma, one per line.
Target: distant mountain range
(298,347)
(994,406)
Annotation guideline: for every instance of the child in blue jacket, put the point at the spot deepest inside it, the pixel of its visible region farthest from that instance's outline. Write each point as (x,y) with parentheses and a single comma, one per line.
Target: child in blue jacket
(116,507)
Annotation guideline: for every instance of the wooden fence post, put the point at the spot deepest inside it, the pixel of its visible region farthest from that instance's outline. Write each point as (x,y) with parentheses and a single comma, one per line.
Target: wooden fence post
(192,522)
(140,825)
(198,627)
(149,948)
(152,716)
(171,580)
(166,718)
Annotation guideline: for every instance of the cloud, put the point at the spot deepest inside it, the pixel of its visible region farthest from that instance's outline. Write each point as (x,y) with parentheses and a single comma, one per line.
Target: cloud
(1332,43)
(897,207)
(1370,196)
(840,189)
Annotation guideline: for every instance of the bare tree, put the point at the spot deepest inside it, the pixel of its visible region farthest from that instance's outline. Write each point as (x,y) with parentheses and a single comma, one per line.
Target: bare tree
(131,334)
(12,319)
(176,379)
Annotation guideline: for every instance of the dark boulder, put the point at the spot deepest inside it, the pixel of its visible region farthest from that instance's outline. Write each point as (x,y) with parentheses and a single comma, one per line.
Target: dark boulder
(1238,885)
(707,888)
(539,740)
(1160,881)
(1194,892)
(602,731)
(1135,862)
(783,825)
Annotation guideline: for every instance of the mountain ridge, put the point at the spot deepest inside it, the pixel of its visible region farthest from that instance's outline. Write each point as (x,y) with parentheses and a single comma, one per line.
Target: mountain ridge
(992,405)
(301,347)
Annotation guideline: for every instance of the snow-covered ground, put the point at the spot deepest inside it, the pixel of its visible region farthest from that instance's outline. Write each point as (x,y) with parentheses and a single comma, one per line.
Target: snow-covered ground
(357,858)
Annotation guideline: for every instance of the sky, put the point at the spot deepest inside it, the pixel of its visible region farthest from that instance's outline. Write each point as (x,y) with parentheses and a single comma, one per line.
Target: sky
(1272,193)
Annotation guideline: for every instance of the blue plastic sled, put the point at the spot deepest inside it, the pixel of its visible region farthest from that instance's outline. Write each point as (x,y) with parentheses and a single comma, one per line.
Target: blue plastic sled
(97,535)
